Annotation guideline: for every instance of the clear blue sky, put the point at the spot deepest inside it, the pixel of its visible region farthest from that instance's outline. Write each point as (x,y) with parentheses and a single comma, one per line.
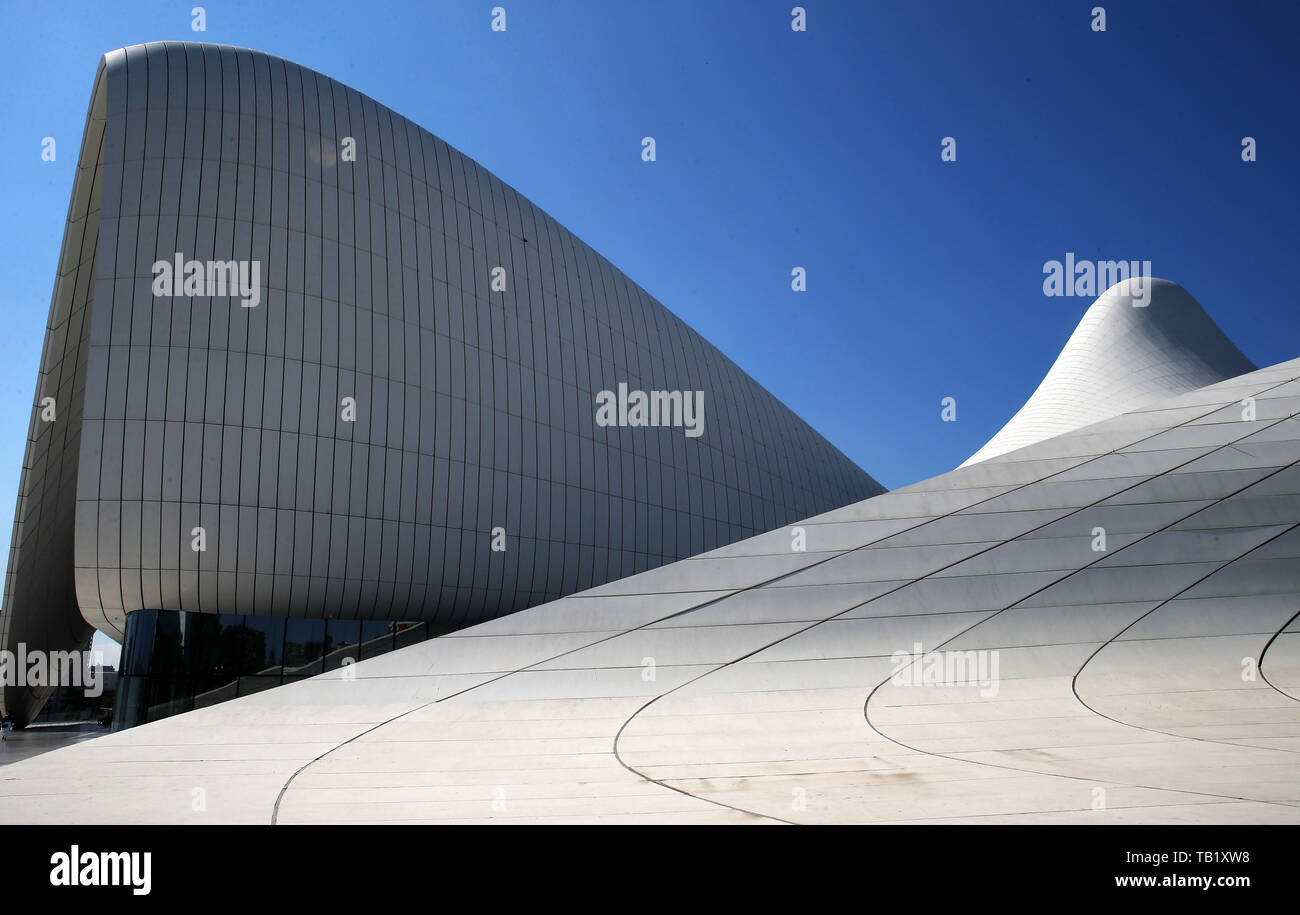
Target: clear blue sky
(778,149)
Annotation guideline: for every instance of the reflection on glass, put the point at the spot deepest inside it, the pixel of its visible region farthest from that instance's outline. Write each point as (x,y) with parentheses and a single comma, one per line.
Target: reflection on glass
(263,645)
(376,638)
(341,640)
(304,642)
(137,649)
(168,659)
(174,661)
(250,685)
(410,633)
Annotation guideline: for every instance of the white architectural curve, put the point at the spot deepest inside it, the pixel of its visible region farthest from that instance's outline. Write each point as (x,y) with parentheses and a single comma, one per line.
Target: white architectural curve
(962,650)
(1124,354)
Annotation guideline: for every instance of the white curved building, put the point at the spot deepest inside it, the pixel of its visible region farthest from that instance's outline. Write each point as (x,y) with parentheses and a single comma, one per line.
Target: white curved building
(1142,339)
(1101,627)
(424,370)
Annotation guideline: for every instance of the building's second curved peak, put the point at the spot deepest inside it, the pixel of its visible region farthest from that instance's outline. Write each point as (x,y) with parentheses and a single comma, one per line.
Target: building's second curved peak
(1144,338)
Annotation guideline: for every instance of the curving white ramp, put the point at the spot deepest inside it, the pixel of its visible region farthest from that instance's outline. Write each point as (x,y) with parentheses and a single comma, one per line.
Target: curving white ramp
(1143,339)
(1149,676)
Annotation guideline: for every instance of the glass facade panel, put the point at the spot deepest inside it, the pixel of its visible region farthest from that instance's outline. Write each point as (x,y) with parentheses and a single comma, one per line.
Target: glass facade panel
(341,641)
(137,651)
(263,650)
(376,638)
(410,633)
(304,641)
(176,661)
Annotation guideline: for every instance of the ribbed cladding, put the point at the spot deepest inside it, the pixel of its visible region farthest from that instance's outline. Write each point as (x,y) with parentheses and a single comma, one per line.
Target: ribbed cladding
(1121,356)
(40,607)
(475,408)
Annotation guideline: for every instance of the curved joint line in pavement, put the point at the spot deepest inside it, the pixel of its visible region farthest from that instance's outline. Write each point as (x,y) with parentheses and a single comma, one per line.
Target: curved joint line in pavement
(866,707)
(275,812)
(1264,653)
(866,714)
(1074,681)
(615,747)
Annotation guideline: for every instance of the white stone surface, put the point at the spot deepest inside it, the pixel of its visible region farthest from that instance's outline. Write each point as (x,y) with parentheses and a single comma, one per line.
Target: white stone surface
(1142,340)
(1154,681)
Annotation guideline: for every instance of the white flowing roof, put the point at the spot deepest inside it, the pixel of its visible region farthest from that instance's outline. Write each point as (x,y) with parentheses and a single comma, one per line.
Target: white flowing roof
(1121,356)
(725,687)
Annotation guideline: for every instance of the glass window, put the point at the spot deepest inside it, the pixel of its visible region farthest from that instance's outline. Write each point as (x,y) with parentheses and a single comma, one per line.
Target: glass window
(304,642)
(168,696)
(376,638)
(263,650)
(137,654)
(129,706)
(213,643)
(250,685)
(168,659)
(410,633)
(341,640)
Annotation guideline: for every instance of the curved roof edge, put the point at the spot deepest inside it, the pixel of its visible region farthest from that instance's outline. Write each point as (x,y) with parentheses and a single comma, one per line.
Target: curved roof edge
(764,464)
(1143,339)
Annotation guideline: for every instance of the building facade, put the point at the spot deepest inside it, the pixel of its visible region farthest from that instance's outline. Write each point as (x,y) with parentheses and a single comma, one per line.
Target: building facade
(307,362)
(1142,340)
